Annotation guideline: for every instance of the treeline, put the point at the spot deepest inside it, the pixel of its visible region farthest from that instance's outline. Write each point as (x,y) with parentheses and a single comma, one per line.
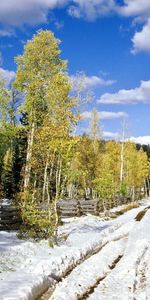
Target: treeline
(41,160)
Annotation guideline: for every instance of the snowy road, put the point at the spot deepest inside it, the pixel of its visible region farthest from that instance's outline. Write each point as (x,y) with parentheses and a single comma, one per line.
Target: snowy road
(95,259)
(119,271)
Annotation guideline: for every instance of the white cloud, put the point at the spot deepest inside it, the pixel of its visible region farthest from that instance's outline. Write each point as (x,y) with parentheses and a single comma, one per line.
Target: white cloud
(105,115)
(110,135)
(132,96)
(59,25)
(135,8)
(1,59)
(89,81)
(141,39)
(8,76)
(95,8)
(140,11)
(144,140)
(6,32)
(18,12)
(74,11)
(92,9)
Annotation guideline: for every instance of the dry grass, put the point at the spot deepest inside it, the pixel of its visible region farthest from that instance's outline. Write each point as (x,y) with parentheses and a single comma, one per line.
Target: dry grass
(130,206)
(127,208)
(140,215)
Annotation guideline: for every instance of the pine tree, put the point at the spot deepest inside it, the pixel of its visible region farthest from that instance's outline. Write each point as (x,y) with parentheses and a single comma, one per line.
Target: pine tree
(7,174)
(8,133)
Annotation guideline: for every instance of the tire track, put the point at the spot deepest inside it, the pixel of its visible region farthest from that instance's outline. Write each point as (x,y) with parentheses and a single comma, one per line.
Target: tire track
(142,277)
(131,277)
(85,277)
(114,234)
(114,231)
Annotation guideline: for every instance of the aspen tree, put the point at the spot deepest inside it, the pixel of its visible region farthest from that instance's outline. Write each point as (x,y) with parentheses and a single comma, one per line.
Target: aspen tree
(42,76)
(39,63)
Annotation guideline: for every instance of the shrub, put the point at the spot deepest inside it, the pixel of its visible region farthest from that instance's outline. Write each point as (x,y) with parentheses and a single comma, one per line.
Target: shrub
(38,222)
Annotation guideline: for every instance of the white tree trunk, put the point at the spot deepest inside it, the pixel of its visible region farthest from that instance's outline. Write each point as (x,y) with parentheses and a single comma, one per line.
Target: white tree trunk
(122,162)
(45,182)
(28,158)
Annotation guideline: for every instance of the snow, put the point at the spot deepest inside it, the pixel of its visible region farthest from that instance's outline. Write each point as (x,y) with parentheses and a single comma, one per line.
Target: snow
(126,279)
(28,268)
(25,266)
(5,202)
(88,272)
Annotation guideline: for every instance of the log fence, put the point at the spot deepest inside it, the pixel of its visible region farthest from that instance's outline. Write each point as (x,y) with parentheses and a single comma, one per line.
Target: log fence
(75,208)
(10,217)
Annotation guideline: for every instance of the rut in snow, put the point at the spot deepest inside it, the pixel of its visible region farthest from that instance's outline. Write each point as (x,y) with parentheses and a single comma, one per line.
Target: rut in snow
(116,233)
(121,232)
(91,289)
(84,277)
(131,276)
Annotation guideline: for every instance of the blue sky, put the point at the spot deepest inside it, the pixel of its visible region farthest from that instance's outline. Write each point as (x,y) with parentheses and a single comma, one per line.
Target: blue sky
(108,40)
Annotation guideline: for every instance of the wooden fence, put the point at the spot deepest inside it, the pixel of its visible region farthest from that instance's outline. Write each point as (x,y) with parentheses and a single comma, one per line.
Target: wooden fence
(73,208)
(9,218)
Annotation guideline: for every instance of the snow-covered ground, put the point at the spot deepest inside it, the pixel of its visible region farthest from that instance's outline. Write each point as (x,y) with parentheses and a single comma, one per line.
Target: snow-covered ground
(119,268)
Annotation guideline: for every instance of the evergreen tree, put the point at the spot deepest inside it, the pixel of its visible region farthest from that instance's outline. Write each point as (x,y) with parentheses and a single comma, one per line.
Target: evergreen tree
(7,174)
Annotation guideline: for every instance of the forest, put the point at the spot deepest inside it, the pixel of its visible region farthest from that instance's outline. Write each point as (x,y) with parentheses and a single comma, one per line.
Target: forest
(42,159)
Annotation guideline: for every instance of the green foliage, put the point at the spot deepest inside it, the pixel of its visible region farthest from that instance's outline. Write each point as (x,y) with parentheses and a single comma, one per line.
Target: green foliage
(49,110)
(4,102)
(123,189)
(104,186)
(8,136)
(7,176)
(38,69)
(40,160)
(38,222)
